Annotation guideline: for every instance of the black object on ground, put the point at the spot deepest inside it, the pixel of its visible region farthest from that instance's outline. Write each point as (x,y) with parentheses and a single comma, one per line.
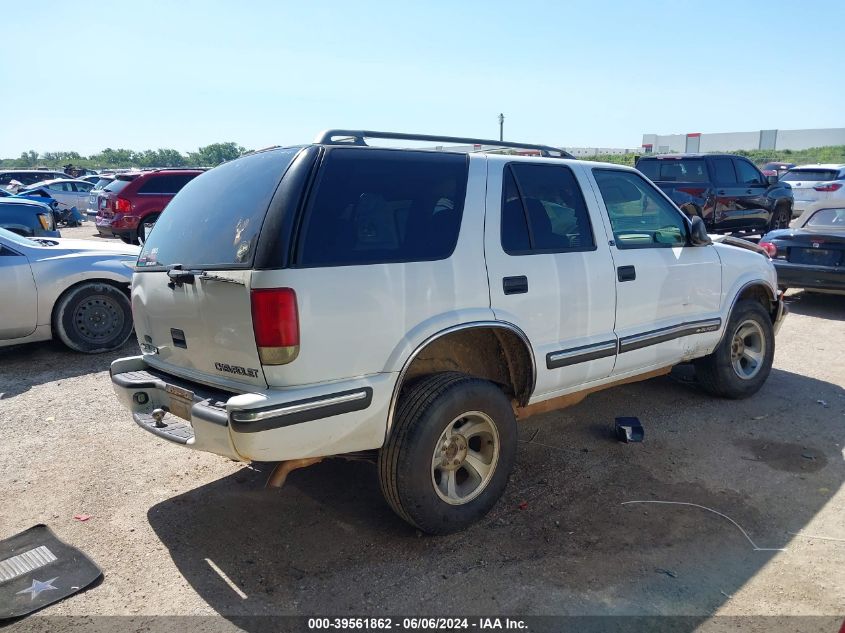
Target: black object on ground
(629,430)
(37,569)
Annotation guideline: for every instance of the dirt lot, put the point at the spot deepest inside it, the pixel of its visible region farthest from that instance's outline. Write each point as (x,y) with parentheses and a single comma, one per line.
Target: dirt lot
(559,542)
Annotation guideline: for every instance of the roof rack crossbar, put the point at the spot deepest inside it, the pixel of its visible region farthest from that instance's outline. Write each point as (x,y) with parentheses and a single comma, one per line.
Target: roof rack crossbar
(356,137)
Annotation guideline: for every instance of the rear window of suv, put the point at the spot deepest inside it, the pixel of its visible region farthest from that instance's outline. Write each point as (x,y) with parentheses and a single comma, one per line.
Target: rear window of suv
(674,169)
(383,206)
(215,220)
(118,184)
(811,175)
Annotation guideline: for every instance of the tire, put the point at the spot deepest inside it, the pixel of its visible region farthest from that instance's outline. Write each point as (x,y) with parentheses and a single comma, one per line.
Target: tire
(150,219)
(729,371)
(428,477)
(781,217)
(93,317)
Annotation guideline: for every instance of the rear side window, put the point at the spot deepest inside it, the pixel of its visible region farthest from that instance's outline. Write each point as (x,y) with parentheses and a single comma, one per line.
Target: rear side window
(215,220)
(165,184)
(725,174)
(118,185)
(543,211)
(374,206)
(674,169)
(811,175)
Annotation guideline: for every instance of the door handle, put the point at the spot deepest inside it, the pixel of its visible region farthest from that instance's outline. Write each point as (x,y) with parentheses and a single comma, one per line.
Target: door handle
(515,285)
(721,192)
(626,273)
(749,191)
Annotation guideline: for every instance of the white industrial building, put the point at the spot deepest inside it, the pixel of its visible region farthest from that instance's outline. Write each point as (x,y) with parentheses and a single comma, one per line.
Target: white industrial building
(732,141)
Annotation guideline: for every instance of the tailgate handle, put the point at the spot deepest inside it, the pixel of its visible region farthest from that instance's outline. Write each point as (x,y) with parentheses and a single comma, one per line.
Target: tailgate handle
(178,337)
(515,285)
(626,273)
(178,276)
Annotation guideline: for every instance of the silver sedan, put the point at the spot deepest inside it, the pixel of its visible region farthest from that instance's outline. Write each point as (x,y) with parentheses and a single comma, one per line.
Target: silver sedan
(68,192)
(73,290)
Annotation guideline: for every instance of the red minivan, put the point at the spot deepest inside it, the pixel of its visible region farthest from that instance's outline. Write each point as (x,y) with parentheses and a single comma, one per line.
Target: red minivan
(136,198)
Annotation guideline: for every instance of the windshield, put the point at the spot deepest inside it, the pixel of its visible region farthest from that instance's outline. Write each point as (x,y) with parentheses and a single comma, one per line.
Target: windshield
(810,175)
(673,169)
(828,217)
(215,220)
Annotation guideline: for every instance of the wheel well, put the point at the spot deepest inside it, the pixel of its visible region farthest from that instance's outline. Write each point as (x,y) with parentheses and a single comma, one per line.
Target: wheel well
(493,353)
(762,295)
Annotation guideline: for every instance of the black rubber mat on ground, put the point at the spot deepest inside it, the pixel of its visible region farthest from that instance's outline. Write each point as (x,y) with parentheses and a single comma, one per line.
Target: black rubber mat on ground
(37,569)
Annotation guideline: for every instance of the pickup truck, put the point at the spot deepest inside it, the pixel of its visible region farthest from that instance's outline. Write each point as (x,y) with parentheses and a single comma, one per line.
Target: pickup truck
(728,192)
(408,306)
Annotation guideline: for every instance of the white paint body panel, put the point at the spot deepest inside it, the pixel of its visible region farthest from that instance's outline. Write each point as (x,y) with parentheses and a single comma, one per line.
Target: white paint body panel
(360,325)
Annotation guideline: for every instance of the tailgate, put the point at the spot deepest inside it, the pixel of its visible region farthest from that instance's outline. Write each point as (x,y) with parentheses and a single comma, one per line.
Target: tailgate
(200,330)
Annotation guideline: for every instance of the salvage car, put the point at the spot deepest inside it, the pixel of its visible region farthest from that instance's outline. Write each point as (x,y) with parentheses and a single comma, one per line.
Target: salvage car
(811,256)
(728,192)
(28,218)
(812,184)
(133,200)
(74,290)
(67,192)
(408,306)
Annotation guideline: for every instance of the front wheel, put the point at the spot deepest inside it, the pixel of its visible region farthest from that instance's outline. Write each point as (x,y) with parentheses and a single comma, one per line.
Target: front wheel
(739,366)
(450,453)
(93,317)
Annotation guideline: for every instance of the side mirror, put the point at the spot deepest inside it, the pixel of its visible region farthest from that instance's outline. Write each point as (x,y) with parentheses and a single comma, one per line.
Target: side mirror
(772,180)
(698,233)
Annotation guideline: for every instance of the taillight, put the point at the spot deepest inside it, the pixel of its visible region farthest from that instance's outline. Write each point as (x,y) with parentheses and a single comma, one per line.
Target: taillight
(828,186)
(122,205)
(771,249)
(44,221)
(275,321)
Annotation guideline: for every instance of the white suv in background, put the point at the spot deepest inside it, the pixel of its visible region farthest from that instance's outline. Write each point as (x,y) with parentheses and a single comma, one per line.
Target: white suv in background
(410,305)
(815,185)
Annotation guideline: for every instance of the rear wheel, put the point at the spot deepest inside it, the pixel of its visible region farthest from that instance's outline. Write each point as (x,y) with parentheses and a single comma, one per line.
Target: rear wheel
(739,366)
(450,453)
(93,317)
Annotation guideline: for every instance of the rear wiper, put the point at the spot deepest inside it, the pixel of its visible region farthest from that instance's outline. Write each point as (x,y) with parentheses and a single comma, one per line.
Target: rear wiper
(178,277)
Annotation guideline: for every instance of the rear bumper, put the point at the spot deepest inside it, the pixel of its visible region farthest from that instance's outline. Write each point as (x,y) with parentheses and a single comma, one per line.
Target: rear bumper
(804,276)
(272,425)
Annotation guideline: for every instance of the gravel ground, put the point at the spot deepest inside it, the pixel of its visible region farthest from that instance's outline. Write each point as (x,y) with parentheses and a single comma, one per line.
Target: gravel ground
(559,542)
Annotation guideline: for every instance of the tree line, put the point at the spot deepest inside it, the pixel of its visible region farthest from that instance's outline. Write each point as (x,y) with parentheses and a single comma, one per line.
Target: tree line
(208,156)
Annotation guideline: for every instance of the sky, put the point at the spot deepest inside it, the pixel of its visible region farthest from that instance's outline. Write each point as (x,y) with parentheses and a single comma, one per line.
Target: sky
(84,76)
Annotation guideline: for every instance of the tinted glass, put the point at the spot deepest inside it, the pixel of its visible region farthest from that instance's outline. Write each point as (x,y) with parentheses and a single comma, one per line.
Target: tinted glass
(374,206)
(514,226)
(102,182)
(674,169)
(724,171)
(809,175)
(746,173)
(828,217)
(165,184)
(640,216)
(215,220)
(82,186)
(549,196)
(118,185)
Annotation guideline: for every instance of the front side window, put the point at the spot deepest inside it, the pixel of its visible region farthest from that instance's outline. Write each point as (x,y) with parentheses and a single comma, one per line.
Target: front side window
(639,215)
(381,206)
(543,211)
(746,173)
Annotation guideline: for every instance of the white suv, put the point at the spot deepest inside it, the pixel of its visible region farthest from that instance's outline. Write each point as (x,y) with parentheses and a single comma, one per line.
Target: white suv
(814,186)
(410,305)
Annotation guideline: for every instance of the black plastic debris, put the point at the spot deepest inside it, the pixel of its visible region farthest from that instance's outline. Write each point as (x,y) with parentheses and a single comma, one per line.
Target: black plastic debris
(629,430)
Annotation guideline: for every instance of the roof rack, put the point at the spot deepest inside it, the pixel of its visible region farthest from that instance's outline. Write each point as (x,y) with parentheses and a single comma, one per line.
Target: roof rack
(356,137)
